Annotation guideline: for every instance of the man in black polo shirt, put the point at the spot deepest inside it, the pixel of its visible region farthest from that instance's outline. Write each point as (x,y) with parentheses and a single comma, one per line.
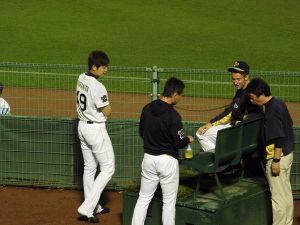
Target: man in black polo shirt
(279,142)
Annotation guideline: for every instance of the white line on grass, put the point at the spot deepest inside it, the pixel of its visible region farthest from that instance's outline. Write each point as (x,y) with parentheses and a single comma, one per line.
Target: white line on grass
(136,78)
(69,74)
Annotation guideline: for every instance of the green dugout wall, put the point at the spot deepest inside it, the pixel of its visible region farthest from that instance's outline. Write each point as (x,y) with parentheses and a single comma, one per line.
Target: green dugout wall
(45,152)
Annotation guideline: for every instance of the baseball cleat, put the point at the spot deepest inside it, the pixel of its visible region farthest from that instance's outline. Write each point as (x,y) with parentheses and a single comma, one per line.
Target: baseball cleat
(101,210)
(91,219)
(87,218)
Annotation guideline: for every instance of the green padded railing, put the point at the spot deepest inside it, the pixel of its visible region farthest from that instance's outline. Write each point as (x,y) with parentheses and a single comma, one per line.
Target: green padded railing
(44,152)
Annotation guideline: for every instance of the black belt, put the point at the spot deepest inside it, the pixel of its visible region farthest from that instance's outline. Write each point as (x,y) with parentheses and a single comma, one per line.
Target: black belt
(89,122)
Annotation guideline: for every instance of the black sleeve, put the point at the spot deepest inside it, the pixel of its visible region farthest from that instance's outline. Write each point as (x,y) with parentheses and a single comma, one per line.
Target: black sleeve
(278,142)
(177,133)
(223,114)
(141,126)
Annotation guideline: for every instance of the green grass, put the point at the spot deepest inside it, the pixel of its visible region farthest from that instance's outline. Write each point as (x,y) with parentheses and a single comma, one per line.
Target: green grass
(181,34)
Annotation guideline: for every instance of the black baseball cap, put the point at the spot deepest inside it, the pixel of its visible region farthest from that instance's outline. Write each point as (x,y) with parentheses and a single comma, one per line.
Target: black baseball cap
(239,66)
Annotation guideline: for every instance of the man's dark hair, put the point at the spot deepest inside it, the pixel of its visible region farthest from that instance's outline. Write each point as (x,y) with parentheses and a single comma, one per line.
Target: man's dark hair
(97,58)
(258,87)
(243,73)
(1,88)
(173,85)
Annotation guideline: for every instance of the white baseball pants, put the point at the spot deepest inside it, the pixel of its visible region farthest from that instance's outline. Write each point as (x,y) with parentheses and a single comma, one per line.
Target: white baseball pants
(209,138)
(96,149)
(163,169)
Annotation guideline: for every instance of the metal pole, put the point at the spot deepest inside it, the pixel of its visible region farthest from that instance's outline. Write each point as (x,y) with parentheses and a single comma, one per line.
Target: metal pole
(155,83)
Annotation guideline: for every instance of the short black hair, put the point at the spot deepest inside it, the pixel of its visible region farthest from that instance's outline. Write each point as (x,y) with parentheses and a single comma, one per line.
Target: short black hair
(1,88)
(258,86)
(97,58)
(173,85)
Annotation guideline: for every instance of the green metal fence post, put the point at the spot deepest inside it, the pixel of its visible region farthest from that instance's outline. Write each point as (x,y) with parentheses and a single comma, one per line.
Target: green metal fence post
(155,83)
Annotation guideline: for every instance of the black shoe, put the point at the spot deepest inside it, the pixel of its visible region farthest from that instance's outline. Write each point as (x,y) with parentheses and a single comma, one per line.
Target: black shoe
(105,210)
(92,219)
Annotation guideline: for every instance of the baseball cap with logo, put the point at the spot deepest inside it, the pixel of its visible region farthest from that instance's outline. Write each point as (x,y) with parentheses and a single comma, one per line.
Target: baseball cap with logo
(239,66)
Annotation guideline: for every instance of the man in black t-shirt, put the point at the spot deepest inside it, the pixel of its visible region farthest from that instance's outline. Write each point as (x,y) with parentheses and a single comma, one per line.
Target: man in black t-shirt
(279,145)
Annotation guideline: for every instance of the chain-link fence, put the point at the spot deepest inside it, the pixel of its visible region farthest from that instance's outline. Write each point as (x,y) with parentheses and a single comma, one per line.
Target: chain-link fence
(41,90)
(48,90)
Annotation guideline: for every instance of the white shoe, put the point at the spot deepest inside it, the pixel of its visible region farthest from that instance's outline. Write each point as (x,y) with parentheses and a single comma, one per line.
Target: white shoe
(83,213)
(101,210)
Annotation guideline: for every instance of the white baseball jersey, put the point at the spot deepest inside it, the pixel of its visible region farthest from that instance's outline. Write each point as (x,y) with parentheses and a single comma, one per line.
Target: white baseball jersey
(4,107)
(91,95)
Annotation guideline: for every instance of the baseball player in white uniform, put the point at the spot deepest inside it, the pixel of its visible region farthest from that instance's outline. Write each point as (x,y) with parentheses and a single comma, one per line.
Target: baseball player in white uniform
(93,108)
(4,106)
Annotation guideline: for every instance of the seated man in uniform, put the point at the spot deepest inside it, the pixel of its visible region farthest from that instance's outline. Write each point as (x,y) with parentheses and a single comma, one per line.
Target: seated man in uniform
(235,112)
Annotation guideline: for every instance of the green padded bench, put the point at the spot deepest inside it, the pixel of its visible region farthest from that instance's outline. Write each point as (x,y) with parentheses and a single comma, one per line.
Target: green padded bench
(231,144)
(251,135)
(227,152)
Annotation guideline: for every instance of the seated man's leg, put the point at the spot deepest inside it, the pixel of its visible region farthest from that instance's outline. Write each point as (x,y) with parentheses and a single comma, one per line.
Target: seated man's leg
(208,139)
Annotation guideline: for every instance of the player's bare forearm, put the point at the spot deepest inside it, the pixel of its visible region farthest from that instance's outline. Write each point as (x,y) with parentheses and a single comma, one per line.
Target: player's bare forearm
(106,110)
(277,153)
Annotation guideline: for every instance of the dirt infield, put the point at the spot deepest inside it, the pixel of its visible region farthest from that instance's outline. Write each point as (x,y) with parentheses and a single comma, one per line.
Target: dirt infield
(60,103)
(33,206)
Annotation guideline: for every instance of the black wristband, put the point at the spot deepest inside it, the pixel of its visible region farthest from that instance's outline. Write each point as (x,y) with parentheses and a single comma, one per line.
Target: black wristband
(276,160)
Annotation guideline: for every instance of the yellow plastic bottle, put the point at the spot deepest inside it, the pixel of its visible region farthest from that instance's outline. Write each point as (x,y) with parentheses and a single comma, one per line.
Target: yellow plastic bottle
(189,152)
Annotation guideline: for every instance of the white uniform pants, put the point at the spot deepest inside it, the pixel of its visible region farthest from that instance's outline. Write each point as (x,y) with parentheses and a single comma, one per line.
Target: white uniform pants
(96,149)
(281,192)
(209,138)
(162,169)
